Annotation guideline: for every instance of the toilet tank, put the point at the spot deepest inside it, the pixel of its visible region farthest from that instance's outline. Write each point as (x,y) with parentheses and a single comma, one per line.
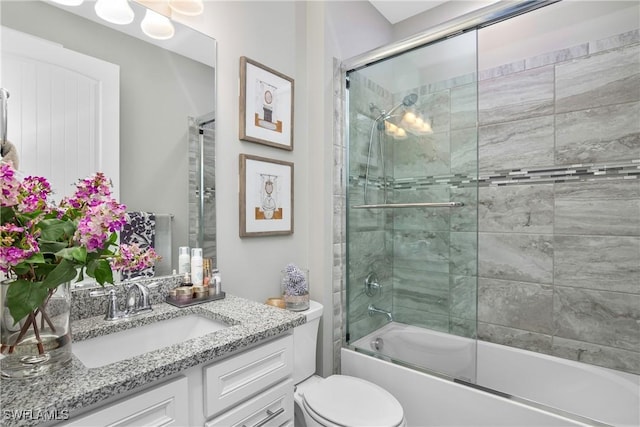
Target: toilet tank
(304,343)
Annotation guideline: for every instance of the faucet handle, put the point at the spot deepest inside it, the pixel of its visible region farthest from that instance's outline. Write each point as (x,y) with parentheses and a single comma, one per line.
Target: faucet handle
(113,312)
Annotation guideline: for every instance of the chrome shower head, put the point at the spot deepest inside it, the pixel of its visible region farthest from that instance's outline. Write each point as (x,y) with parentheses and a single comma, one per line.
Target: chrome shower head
(409,100)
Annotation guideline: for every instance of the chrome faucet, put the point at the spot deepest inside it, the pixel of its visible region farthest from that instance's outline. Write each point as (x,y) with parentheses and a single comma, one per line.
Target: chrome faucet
(373,311)
(137,298)
(137,302)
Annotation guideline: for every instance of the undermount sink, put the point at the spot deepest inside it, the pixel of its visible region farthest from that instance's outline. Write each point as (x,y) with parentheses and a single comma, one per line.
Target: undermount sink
(122,345)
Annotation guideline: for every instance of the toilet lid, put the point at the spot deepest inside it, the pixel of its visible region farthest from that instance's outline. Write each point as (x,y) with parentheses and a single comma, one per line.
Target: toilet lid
(353,402)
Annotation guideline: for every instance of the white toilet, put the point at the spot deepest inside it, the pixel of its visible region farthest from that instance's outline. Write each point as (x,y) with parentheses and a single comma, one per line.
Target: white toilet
(338,400)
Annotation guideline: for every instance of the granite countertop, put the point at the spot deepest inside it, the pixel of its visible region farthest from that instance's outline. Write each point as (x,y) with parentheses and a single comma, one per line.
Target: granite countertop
(75,387)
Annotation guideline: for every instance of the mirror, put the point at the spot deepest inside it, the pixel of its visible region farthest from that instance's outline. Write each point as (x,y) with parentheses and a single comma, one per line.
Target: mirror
(166,116)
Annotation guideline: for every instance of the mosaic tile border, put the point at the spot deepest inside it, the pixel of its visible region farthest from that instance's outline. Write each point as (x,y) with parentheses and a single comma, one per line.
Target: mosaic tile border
(544,175)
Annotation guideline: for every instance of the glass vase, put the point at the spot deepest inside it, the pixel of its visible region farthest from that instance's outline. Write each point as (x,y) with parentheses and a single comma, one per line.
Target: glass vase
(295,289)
(41,341)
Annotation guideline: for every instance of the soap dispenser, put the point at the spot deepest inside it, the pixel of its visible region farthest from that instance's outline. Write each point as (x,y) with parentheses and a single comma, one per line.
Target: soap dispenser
(196,267)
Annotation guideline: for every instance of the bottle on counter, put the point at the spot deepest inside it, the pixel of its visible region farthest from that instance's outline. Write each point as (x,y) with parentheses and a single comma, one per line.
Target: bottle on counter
(184,260)
(196,267)
(216,282)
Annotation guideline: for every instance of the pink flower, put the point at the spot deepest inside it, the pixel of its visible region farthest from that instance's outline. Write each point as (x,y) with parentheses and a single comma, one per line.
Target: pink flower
(33,194)
(133,257)
(98,222)
(16,245)
(9,186)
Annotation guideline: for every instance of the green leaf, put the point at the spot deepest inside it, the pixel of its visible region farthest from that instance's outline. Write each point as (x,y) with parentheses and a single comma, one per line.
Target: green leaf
(22,268)
(36,258)
(112,238)
(55,229)
(42,270)
(64,272)
(100,270)
(23,297)
(49,247)
(6,214)
(76,253)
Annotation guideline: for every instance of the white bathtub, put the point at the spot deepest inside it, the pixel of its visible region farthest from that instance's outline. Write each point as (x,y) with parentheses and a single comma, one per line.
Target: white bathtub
(595,393)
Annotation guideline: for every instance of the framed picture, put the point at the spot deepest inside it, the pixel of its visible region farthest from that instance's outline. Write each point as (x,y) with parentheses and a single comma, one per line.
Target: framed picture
(266,105)
(266,196)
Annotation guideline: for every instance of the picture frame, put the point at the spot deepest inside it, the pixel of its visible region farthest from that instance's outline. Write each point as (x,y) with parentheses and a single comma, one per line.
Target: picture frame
(266,196)
(266,105)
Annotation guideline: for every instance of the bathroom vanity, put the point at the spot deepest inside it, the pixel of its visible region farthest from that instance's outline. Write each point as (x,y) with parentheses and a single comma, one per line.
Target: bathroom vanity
(239,373)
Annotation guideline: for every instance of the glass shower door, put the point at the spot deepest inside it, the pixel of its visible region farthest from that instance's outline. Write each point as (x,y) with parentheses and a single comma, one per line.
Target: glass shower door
(412,207)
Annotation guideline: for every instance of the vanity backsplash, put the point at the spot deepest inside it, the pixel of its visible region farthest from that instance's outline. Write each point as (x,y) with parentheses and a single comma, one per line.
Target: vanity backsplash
(92,301)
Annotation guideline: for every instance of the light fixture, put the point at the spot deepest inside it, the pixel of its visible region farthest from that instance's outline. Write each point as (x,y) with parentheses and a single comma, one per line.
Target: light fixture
(187,7)
(157,26)
(426,128)
(390,128)
(68,2)
(115,11)
(409,117)
(400,134)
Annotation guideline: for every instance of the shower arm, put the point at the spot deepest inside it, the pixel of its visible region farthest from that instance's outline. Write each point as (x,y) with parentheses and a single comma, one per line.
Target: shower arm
(407,101)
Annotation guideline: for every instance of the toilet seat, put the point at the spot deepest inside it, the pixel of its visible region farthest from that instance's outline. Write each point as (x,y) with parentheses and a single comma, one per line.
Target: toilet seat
(346,401)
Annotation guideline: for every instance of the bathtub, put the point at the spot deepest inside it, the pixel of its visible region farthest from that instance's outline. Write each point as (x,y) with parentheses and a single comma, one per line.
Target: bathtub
(546,390)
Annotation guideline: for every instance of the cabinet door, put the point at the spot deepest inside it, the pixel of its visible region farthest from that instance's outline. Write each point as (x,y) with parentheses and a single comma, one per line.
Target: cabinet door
(273,407)
(240,377)
(164,405)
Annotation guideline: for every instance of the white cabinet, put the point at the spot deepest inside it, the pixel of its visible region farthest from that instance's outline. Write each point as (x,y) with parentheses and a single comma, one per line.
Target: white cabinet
(235,379)
(273,407)
(163,405)
(252,388)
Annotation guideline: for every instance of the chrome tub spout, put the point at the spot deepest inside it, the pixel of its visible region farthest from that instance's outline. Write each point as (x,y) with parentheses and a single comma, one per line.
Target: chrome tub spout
(373,311)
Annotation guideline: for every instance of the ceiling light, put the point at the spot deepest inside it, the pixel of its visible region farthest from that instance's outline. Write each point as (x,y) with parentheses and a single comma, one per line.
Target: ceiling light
(187,7)
(157,26)
(115,11)
(68,2)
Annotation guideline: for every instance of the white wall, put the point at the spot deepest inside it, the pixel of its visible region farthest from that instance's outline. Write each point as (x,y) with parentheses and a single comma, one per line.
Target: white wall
(300,40)
(558,26)
(267,32)
(436,16)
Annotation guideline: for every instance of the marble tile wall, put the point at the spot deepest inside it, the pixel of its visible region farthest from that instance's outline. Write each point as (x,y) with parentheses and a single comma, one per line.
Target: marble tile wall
(552,207)
(559,258)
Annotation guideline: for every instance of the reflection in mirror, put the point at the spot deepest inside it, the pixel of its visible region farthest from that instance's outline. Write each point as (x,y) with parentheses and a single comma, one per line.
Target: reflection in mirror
(154,137)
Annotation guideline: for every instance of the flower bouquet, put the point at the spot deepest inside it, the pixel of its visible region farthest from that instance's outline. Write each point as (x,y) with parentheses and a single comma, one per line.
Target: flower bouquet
(295,287)
(43,247)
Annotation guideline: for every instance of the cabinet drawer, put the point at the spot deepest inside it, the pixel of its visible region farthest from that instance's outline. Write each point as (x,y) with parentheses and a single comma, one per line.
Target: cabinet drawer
(236,379)
(273,407)
(164,405)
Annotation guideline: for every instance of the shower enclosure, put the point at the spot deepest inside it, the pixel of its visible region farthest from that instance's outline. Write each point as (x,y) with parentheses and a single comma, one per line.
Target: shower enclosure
(493,193)
(412,192)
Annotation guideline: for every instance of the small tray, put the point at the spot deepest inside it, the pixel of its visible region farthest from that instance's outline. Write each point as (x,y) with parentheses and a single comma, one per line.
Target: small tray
(194,301)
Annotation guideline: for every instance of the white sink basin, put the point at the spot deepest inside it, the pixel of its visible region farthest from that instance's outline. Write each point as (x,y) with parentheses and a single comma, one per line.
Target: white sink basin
(106,349)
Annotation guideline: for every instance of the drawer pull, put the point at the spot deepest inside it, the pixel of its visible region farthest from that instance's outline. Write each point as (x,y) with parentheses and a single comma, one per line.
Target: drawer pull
(270,416)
